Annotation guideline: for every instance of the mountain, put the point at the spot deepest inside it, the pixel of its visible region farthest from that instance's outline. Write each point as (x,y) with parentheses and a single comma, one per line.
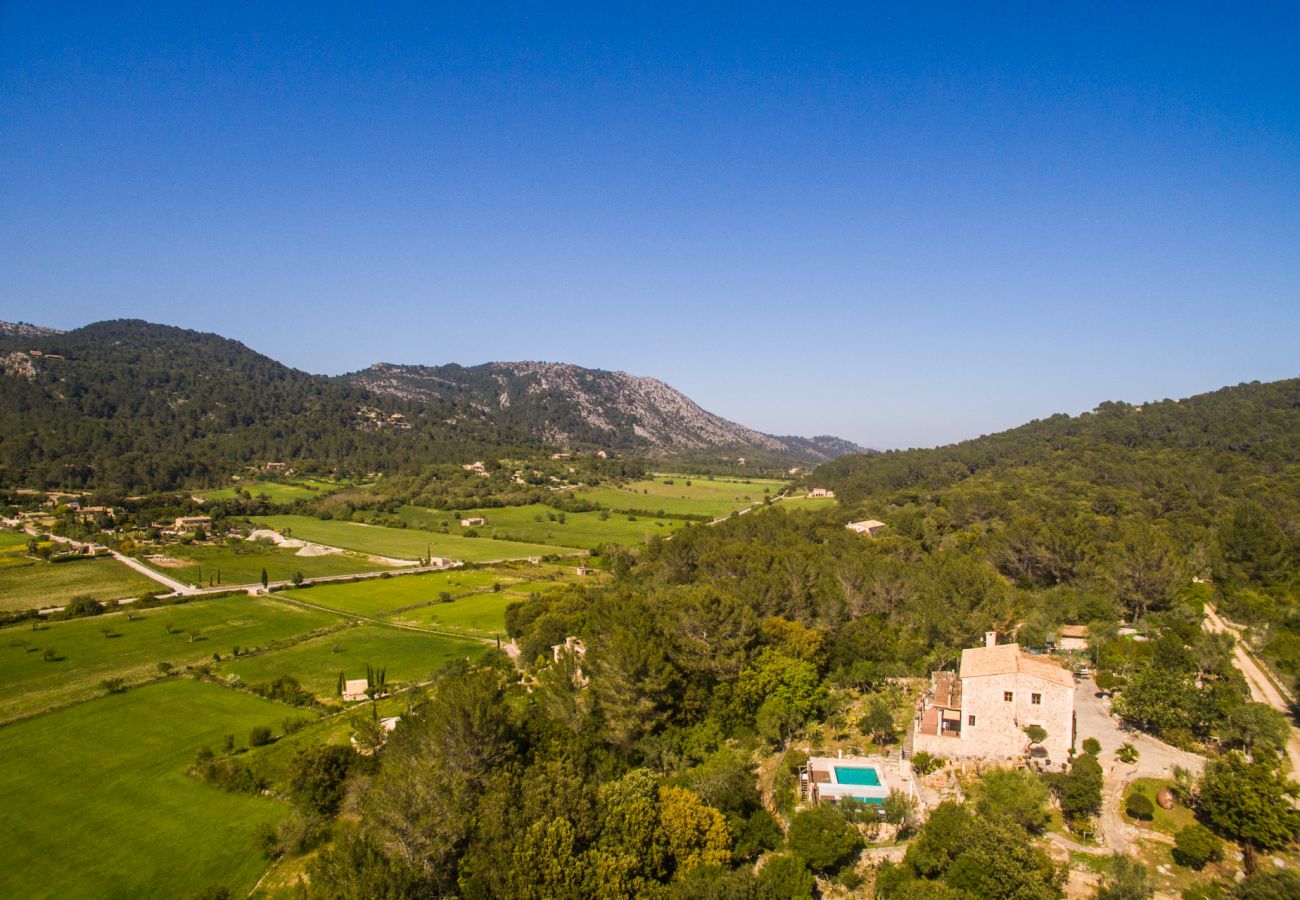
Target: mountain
(1224,438)
(568,405)
(25,329)
(132,405)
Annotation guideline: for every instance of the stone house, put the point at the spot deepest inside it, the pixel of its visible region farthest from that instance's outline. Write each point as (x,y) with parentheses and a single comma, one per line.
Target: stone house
(1072,637)
(981,710)
(869,527)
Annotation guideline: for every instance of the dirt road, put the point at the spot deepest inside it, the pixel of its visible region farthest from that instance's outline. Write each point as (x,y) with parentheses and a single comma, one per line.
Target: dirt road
(1263,689)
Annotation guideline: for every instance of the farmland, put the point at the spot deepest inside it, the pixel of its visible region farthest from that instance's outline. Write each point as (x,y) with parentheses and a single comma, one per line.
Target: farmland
(683,496)
(278,492)
(33,584)
(242,563)
(547,525)
(382,595)
(408,656)
(90,650)
(481,615)
(107,809)
(400,543)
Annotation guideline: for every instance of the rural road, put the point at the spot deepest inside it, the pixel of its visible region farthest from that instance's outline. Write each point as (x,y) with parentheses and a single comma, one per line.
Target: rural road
(1263,689)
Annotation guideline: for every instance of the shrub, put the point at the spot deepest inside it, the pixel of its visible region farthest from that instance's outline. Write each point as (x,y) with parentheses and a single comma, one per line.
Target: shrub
(1091,746)
(1127,753)
(924,763)
(259,736)
(785,875)
(1195,845)
(1139,806)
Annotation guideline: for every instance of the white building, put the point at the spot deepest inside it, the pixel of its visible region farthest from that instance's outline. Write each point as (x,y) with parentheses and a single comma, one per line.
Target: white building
(473,522)
(869,527)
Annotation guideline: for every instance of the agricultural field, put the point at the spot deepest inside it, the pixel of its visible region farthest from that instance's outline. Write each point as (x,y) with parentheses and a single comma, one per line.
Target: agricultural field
(401,543)
(408,656)
(100,806)
(541,524)
(243,562)
(808,503)
(383,595)
(674,497)
(479,615)
(13,540)
(278,492)
(89,650)
(35,584)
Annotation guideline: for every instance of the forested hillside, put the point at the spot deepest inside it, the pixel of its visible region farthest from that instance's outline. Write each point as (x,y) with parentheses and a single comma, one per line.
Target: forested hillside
(136,406)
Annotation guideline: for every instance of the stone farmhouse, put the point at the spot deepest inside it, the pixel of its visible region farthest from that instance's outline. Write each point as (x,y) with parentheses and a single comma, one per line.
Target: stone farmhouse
(869,527)
(981,710)
(1072,638)
(821,492)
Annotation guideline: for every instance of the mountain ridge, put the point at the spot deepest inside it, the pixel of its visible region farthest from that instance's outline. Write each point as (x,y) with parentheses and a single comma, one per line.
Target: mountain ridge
(563,403)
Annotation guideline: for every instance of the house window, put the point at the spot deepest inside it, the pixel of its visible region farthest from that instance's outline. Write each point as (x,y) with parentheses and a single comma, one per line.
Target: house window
(1006,695)
(970,720)
(1036,699)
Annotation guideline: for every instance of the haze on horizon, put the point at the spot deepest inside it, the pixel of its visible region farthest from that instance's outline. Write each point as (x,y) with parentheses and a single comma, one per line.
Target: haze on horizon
(901,228)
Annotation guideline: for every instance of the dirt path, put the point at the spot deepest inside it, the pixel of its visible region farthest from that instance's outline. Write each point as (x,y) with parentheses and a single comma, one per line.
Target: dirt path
(1263,688)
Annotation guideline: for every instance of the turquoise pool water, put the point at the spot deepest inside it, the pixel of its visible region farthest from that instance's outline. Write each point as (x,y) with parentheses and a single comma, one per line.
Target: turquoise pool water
(855,775)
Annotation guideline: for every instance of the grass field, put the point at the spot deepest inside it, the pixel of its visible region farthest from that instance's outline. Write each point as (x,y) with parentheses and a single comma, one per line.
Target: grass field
(381,595)
(34,584)
(409,656)
(808,503)
(98,803)
(700,498)
(87,656)
(11,540)
(278,492)
(531,523)
(242,563)
(483,615)
(401,543)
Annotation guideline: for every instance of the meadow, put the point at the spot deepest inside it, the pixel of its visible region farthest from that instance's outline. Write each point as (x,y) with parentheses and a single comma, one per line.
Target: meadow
(400,543)
(13,540)
(277,491)
(540,523)
(480,615)
(673,496)
(243,561)
(808,503)
(98,803)
(35,584)
(408,656)
(382,595)
(184,634)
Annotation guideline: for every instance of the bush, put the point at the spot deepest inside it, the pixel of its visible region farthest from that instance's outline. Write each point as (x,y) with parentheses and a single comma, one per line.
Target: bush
(259,736)
(1139,806)
(924,763)
(1196,845)
(785,875)
(1091,746)
(1127,753)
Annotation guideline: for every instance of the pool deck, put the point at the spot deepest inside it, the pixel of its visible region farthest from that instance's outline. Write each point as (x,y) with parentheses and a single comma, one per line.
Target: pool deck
(824,783)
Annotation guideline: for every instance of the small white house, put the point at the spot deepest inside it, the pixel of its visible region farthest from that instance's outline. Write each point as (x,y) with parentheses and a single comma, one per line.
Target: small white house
(473,522)
(821,492)
(869,527)
(355,689)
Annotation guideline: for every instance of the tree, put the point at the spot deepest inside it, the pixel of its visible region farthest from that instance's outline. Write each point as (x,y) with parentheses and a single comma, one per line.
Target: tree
(823,838)
(785,877)
(266,580)
(1017,794)
(259,736)
(1249,801)
(1036,734)
(1256,725)
(1079,790)
(1139,806)
(1273,885)
(1195,845)
(1091,746)
(696,833)
(317,776)
(878,722)
(1128,880)
(1144,569)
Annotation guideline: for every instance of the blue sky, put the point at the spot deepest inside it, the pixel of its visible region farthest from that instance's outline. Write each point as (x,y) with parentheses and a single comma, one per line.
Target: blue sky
(904,228)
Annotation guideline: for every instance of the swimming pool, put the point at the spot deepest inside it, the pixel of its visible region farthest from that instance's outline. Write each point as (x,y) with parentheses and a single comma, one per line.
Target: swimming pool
(856,775)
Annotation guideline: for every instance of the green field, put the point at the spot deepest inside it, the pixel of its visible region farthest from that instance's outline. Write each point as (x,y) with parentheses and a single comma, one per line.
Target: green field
(381,595)
(10,540)
(700,498)
(87,656)
(32,584)
(409,656)
(808,503)
(483,614)
(278,492)
(400,543)
(531,523)
(98,803)
(242,563)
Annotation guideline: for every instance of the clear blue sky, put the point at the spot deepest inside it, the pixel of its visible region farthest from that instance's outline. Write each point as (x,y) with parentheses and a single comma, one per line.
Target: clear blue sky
(904,229)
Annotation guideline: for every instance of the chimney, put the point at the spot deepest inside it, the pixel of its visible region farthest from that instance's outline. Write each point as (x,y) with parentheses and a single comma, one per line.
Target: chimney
(990,639)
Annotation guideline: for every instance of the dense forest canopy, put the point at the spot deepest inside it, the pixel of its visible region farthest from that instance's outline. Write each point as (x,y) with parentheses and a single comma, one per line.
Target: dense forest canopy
(136,406)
